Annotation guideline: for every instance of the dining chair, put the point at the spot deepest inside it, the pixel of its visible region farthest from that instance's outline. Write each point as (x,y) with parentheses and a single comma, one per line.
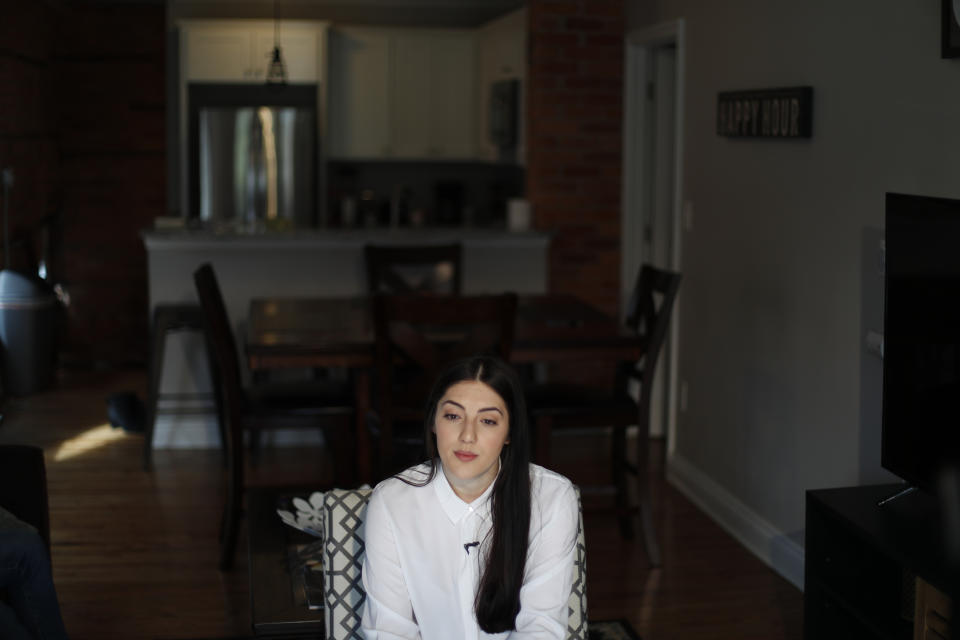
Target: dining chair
(313,404)
(344,515)
(415,337)
(555,405)
(413,269)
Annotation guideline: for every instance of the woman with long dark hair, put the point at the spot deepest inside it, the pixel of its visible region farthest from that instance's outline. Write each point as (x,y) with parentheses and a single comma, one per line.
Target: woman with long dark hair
(476,542)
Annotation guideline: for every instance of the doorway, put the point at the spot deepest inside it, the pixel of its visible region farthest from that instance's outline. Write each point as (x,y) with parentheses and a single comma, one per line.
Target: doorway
(652,162)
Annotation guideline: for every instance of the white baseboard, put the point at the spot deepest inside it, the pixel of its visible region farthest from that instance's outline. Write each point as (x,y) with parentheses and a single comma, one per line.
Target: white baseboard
(201,432)
(780,552)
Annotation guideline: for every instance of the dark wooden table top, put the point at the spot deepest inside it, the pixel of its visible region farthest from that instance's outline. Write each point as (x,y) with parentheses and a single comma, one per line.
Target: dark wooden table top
(294,332)
(278,605)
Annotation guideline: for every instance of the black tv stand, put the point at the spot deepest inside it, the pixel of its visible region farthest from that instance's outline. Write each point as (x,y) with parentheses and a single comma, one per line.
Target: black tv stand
(905,491)
(866,567)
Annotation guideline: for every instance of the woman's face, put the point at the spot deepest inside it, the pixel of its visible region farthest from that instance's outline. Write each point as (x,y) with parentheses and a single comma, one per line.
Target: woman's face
(471,425)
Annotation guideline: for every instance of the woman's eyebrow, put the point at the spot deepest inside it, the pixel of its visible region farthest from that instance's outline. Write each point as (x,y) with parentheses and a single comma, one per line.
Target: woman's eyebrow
(462,408)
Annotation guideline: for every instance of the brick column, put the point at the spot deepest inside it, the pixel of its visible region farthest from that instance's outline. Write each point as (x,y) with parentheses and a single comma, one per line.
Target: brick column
(28,136)
(574,139)
(110,65)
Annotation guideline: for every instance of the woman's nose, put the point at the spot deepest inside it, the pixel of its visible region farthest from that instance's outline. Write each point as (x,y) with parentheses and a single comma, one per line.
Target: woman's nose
(468,433)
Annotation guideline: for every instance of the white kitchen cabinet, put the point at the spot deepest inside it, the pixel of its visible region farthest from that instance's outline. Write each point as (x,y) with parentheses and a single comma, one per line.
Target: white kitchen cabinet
(359,96)
(240,50)
(217,54)
(435,102)
(501,48)
(402,94)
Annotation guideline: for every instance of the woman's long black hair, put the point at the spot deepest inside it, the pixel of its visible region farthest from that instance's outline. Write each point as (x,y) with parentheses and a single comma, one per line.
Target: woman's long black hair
(498,594)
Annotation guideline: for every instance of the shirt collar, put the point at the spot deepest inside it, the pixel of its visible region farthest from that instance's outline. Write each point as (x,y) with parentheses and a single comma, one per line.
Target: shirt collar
(455,508)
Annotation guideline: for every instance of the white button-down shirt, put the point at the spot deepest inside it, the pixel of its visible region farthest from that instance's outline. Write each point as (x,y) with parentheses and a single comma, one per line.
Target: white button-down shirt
(422,565)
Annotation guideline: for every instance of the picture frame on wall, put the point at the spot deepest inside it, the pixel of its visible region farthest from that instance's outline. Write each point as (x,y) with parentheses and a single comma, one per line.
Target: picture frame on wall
(950,29)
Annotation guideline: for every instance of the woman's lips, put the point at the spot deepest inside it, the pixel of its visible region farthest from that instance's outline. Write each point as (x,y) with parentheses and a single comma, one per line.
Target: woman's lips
(465,456)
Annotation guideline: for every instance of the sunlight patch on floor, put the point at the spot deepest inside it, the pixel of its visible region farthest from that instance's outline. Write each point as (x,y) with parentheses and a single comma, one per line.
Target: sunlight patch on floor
(89,440)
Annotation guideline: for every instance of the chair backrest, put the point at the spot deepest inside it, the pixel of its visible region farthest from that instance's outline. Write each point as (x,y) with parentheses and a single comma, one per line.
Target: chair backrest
(429,332)
(648,314)
(224,362)
(413,269)
(416,337)
(23,486)
(343,548)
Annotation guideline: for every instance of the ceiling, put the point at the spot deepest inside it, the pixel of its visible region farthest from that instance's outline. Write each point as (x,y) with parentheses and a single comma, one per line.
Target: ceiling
(427,13)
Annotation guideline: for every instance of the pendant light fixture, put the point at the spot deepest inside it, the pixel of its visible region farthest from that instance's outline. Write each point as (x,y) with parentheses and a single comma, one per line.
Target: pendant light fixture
(276,69)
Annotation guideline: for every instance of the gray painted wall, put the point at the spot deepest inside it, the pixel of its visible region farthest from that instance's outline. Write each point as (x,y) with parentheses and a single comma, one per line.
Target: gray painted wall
(778,285)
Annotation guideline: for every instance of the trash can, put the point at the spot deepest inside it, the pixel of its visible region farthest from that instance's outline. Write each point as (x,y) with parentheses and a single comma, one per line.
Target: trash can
(28,333)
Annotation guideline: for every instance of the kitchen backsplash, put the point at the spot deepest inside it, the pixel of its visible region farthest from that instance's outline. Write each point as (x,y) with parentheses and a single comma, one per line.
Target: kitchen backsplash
(410,194)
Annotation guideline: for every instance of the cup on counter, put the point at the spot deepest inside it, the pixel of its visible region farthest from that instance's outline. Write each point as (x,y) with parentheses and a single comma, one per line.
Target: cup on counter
(518,214)
(348,211)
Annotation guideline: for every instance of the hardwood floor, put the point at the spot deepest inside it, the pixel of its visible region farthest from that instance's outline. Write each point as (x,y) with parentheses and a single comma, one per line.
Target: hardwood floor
(135,553)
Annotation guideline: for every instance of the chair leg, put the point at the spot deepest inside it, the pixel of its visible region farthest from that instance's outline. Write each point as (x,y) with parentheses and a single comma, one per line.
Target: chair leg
(233,509)
(224,453)
(643,496)
(619,468)
(649,534)
(158,345)
(228,539)
(224,518)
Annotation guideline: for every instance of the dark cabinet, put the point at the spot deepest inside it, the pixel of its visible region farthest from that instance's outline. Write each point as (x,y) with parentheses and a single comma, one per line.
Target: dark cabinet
(863,561)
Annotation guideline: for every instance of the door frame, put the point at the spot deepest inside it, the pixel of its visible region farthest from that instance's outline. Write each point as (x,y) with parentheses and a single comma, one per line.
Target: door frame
(637,46)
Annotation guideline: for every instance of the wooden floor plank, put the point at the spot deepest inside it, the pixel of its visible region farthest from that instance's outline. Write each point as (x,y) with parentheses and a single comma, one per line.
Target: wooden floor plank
(135,553)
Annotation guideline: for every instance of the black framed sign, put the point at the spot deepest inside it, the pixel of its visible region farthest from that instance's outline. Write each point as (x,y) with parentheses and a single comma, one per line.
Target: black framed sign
(766,113)
(950,29)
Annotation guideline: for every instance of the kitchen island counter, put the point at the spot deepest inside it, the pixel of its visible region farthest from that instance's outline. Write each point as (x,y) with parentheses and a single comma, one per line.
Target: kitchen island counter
(329,262)
(167,239)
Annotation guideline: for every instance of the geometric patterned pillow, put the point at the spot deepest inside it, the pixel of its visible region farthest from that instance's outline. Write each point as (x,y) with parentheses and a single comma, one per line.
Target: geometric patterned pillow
(344,514)
(343,550)
(577,604)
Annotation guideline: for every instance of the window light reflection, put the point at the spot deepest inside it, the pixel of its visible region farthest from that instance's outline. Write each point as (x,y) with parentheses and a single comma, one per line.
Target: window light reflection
(87,441)
(270,158)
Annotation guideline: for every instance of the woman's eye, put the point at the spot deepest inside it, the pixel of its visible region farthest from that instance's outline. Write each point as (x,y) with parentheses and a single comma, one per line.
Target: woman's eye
(450,416)
(490,421)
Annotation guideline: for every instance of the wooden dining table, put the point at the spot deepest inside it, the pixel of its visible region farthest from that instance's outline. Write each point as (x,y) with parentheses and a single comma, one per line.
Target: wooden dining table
(294,332)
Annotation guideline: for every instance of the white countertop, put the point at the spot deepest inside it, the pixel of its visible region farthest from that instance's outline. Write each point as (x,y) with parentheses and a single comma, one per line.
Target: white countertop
(172,239)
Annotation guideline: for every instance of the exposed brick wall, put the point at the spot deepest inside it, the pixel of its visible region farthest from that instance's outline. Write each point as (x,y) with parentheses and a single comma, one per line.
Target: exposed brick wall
(110,63)
(28,136)
(82,126)
(574,122)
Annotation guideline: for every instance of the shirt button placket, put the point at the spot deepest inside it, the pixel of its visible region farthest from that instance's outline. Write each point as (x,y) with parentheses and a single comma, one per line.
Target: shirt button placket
(468,574)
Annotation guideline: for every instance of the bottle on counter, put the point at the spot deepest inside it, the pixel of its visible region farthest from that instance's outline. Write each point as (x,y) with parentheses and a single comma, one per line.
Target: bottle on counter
(368,208)
(348,211)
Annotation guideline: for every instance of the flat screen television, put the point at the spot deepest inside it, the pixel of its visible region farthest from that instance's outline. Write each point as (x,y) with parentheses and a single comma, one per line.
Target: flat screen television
(921,361)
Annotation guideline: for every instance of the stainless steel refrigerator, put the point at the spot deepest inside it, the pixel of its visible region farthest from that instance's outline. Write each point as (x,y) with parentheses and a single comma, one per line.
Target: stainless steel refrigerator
(255,166)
